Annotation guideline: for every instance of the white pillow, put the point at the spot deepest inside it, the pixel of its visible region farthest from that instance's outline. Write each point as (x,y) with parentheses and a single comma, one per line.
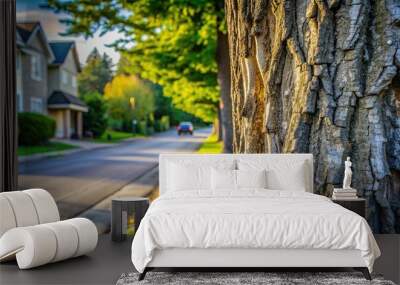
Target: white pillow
(223,179)
(186,175)
(251,178)
(280,175)
(227,179)
(290,179)
(182,177)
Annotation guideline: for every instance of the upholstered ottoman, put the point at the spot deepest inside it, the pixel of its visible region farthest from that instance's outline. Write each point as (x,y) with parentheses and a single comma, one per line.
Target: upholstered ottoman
(31,230)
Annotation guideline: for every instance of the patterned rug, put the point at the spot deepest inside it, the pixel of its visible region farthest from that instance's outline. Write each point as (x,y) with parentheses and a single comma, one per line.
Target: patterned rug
(242,278)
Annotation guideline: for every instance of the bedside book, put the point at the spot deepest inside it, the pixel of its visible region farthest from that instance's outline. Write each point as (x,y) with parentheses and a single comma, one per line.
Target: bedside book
(344,197)
(341,190)
(344,194)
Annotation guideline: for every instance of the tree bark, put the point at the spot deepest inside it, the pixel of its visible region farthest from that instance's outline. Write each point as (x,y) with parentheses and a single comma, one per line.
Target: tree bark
(322,76)
(218,126)
(224,81)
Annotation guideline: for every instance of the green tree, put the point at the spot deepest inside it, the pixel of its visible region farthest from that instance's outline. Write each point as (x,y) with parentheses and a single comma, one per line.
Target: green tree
(180,45)
(95,119)
(95,74)
(129,98)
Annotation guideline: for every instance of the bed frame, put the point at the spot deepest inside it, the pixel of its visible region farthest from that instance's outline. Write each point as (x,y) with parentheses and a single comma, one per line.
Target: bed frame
(250,259)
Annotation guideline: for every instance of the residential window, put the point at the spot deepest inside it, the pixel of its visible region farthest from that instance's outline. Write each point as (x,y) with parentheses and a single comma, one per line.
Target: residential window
(20,102)
(64,77)
(36,67)
(36,105)
(74,83)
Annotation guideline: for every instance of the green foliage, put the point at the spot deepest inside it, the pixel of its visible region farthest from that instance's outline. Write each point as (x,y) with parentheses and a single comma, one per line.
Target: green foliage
(129,98)
(164,107)
(111,136)
(164,122)
(95,119)
(211,145)
(35,129)
(142,128)
(172,43)
(46,148)
(181,116)
(95,74)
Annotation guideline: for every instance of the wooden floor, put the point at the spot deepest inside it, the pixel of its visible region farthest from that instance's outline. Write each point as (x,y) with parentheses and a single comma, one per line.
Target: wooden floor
(106,264)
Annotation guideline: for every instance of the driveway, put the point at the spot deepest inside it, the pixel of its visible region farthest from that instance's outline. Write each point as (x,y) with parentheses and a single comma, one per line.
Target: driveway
(80,180)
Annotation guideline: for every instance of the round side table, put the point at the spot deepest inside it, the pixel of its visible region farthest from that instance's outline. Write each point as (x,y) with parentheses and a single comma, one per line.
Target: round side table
(126,214)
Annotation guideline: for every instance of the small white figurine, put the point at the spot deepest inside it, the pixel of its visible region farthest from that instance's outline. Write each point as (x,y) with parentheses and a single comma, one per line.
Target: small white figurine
(347,174)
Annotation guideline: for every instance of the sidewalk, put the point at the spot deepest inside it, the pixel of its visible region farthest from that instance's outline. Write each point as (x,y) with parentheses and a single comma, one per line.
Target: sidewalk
(143,186)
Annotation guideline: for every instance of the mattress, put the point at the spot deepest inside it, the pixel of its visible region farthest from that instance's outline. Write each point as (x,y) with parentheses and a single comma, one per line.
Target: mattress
(250,219)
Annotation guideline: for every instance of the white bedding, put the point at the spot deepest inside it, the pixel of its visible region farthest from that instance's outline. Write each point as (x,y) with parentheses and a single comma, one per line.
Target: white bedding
(251,218)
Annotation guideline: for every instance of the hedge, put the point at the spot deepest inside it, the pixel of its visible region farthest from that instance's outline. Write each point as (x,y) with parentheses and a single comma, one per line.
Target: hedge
(162,124)
(142,128)
(35,129)
(165,123)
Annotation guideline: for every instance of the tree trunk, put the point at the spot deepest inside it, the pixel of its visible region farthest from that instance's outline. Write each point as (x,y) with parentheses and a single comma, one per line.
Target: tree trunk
(322,76)
(224,81)
(217,126)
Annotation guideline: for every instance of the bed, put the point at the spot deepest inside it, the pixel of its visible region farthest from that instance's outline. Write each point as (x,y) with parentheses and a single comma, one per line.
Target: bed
(247,211)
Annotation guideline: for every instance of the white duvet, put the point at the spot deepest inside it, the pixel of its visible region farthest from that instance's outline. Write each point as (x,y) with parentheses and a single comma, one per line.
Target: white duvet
(250,219)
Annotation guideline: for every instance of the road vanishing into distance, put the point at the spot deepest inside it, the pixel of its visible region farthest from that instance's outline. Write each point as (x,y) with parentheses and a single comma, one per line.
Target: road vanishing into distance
(79,180)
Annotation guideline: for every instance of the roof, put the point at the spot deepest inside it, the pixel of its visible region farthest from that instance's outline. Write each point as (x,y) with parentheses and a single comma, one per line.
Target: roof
(26,30)
(63,98)
(60,50)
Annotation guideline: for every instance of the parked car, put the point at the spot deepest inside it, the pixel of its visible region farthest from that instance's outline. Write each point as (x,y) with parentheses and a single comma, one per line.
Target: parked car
(185,128)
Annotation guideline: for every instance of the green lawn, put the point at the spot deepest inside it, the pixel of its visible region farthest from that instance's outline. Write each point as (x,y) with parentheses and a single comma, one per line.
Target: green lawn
(116,136)
(50,147)
(211,145)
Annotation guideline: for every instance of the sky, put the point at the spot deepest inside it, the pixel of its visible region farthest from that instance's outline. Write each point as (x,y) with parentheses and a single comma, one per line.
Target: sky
(29,10)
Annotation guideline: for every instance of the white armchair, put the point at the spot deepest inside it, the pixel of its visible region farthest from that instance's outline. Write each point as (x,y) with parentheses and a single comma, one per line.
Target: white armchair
(31,230)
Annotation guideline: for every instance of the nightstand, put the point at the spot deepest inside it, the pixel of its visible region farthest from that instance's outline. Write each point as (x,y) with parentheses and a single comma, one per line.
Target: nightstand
(126,215)
(358,206)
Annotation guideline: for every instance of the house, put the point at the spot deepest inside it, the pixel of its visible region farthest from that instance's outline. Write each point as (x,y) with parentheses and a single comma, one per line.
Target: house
(46,79)
(33,56)
(63,103)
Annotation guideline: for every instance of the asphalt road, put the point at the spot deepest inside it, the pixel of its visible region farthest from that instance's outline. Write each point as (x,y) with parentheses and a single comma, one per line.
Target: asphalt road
(80,180)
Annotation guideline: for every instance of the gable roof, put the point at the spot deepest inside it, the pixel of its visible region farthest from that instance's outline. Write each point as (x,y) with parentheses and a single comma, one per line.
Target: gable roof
(61,49)
(27,30)
(59,99)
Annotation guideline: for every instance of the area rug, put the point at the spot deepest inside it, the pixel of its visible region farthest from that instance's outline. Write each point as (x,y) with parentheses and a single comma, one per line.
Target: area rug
(269,278)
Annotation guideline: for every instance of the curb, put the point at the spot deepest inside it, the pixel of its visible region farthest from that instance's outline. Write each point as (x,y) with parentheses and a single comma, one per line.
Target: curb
(143,186)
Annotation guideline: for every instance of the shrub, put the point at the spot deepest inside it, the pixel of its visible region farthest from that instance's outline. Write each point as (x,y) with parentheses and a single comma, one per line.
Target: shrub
(157,126)
(142,127)
(35,129)
(95,119)
(165,123)
(150,131)
(162,124)
(115,124)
